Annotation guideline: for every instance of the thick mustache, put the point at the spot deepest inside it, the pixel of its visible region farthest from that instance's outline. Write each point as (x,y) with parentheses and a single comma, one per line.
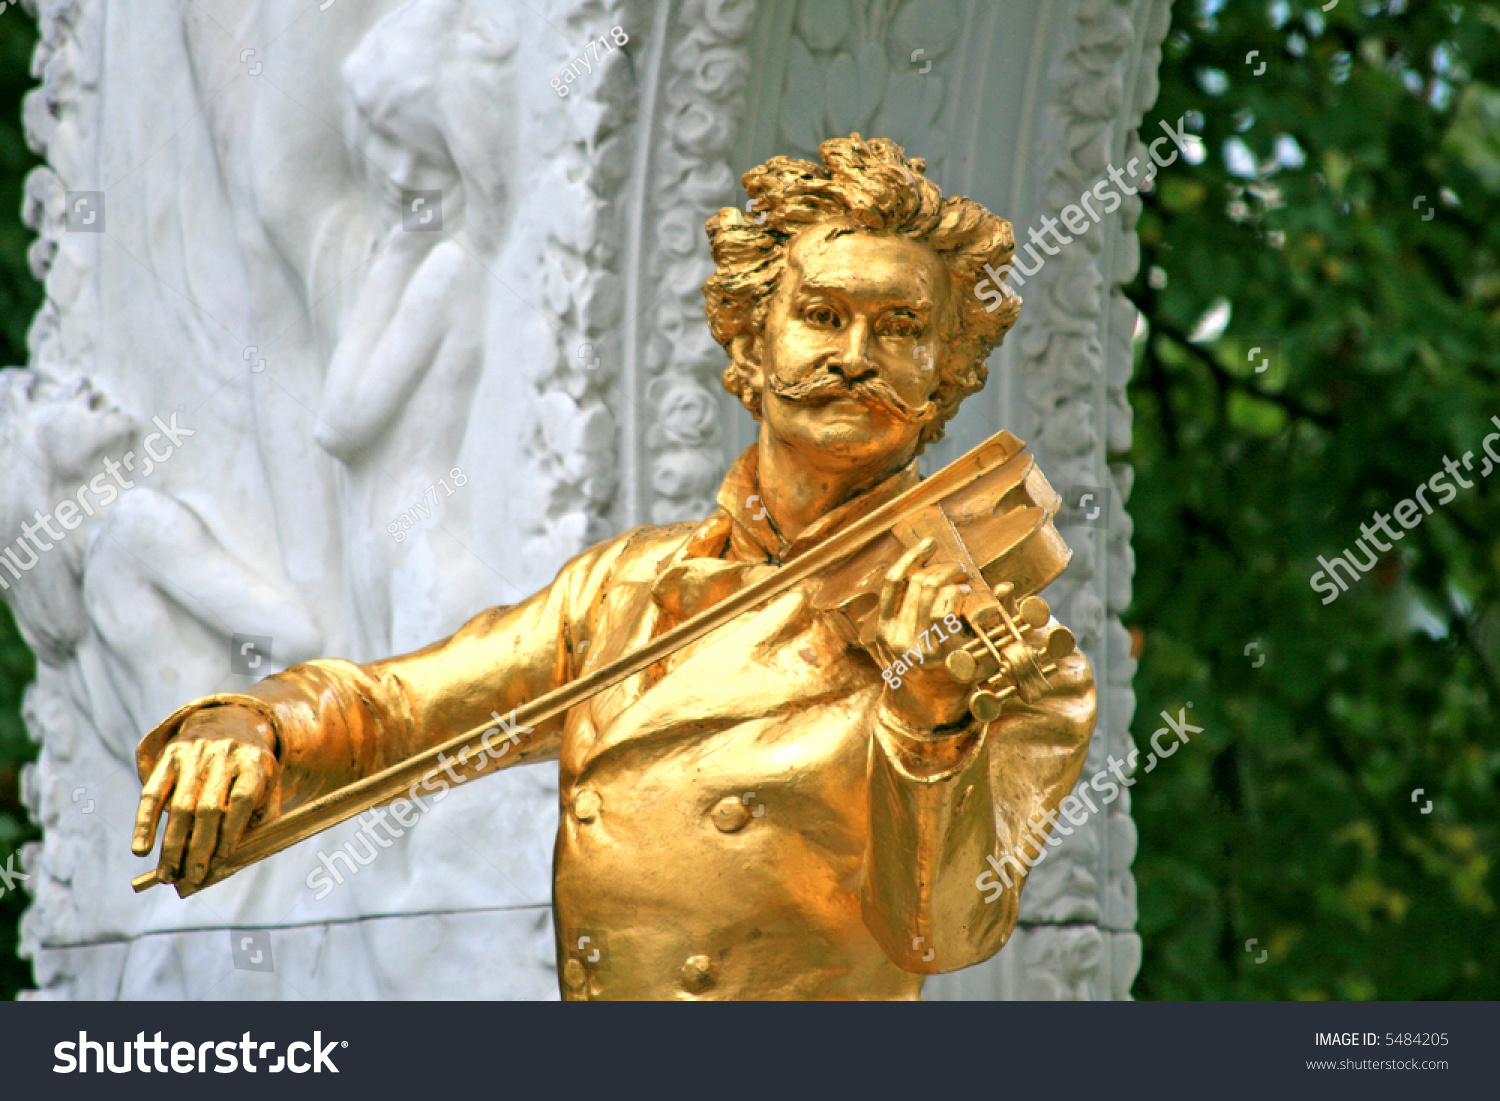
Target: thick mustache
(872,390)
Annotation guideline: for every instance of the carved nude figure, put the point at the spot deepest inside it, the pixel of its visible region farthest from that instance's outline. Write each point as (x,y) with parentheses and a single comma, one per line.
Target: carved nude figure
(396,396)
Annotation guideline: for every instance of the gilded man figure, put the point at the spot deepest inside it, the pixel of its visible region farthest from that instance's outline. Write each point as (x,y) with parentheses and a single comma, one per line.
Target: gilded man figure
(763,814)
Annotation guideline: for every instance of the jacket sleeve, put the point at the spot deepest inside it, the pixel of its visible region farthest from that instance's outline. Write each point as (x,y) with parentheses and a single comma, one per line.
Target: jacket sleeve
(946,807)
(336,721)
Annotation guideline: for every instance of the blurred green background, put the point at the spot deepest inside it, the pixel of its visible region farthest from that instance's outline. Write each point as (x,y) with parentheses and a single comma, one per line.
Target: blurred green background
(20,295)
(1344,217)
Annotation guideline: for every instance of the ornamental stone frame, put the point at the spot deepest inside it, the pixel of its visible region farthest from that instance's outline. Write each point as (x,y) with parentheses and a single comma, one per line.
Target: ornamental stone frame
(245,258)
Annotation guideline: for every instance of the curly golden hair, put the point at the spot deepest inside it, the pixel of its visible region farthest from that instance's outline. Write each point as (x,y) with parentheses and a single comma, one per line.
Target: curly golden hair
(875,185)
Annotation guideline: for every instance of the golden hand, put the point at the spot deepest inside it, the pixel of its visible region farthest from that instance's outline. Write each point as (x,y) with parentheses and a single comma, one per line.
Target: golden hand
(217,771)
(917,627)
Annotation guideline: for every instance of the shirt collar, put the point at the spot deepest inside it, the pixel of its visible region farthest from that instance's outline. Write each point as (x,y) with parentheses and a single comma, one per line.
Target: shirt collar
(742,529)
(738,545)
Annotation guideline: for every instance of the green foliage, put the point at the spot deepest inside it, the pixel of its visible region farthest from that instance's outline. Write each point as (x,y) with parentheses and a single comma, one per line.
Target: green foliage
(20,294)
(16,670)
(19,298)
(1372,273)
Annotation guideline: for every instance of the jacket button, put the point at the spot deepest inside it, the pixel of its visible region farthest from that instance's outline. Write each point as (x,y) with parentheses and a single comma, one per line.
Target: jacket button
(586,805)
(697,974)
(574,975)
(730,814)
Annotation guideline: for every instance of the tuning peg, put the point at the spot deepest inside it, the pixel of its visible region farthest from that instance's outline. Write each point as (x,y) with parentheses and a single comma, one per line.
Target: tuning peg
(986,706)
(1060,643)
(962,665)
(1034,612)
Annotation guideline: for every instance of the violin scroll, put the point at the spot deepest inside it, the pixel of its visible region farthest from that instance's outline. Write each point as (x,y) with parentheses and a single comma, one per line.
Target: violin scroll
(1001,660)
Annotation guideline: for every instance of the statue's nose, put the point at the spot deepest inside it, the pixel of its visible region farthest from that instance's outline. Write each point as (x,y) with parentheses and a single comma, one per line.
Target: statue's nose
(853,361)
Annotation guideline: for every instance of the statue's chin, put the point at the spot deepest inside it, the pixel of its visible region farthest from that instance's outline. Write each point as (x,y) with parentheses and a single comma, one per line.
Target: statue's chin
(839,432)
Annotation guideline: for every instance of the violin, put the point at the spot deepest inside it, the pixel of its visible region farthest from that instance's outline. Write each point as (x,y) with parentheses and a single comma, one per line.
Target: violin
(998,525)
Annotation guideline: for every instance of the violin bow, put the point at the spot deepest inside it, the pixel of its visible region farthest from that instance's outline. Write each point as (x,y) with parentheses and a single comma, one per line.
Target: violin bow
(271,837)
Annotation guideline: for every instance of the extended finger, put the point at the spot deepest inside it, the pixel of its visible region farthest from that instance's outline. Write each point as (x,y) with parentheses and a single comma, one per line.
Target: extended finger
(250,782)
(922,594)
(206,819)
(895,578)
(182,807)
(155,793)
(949,600)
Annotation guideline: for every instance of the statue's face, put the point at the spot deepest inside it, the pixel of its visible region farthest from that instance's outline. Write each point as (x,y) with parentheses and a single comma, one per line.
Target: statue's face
(851,340)
(393,165)
(75,431)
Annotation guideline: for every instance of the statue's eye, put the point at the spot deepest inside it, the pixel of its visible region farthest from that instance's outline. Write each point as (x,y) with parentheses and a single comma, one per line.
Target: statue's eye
(824,316)
(902,325)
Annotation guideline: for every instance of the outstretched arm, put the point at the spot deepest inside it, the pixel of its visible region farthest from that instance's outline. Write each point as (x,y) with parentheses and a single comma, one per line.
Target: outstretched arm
(323,724)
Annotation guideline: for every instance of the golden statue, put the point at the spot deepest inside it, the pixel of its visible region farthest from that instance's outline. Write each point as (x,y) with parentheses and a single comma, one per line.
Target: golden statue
(789,736)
